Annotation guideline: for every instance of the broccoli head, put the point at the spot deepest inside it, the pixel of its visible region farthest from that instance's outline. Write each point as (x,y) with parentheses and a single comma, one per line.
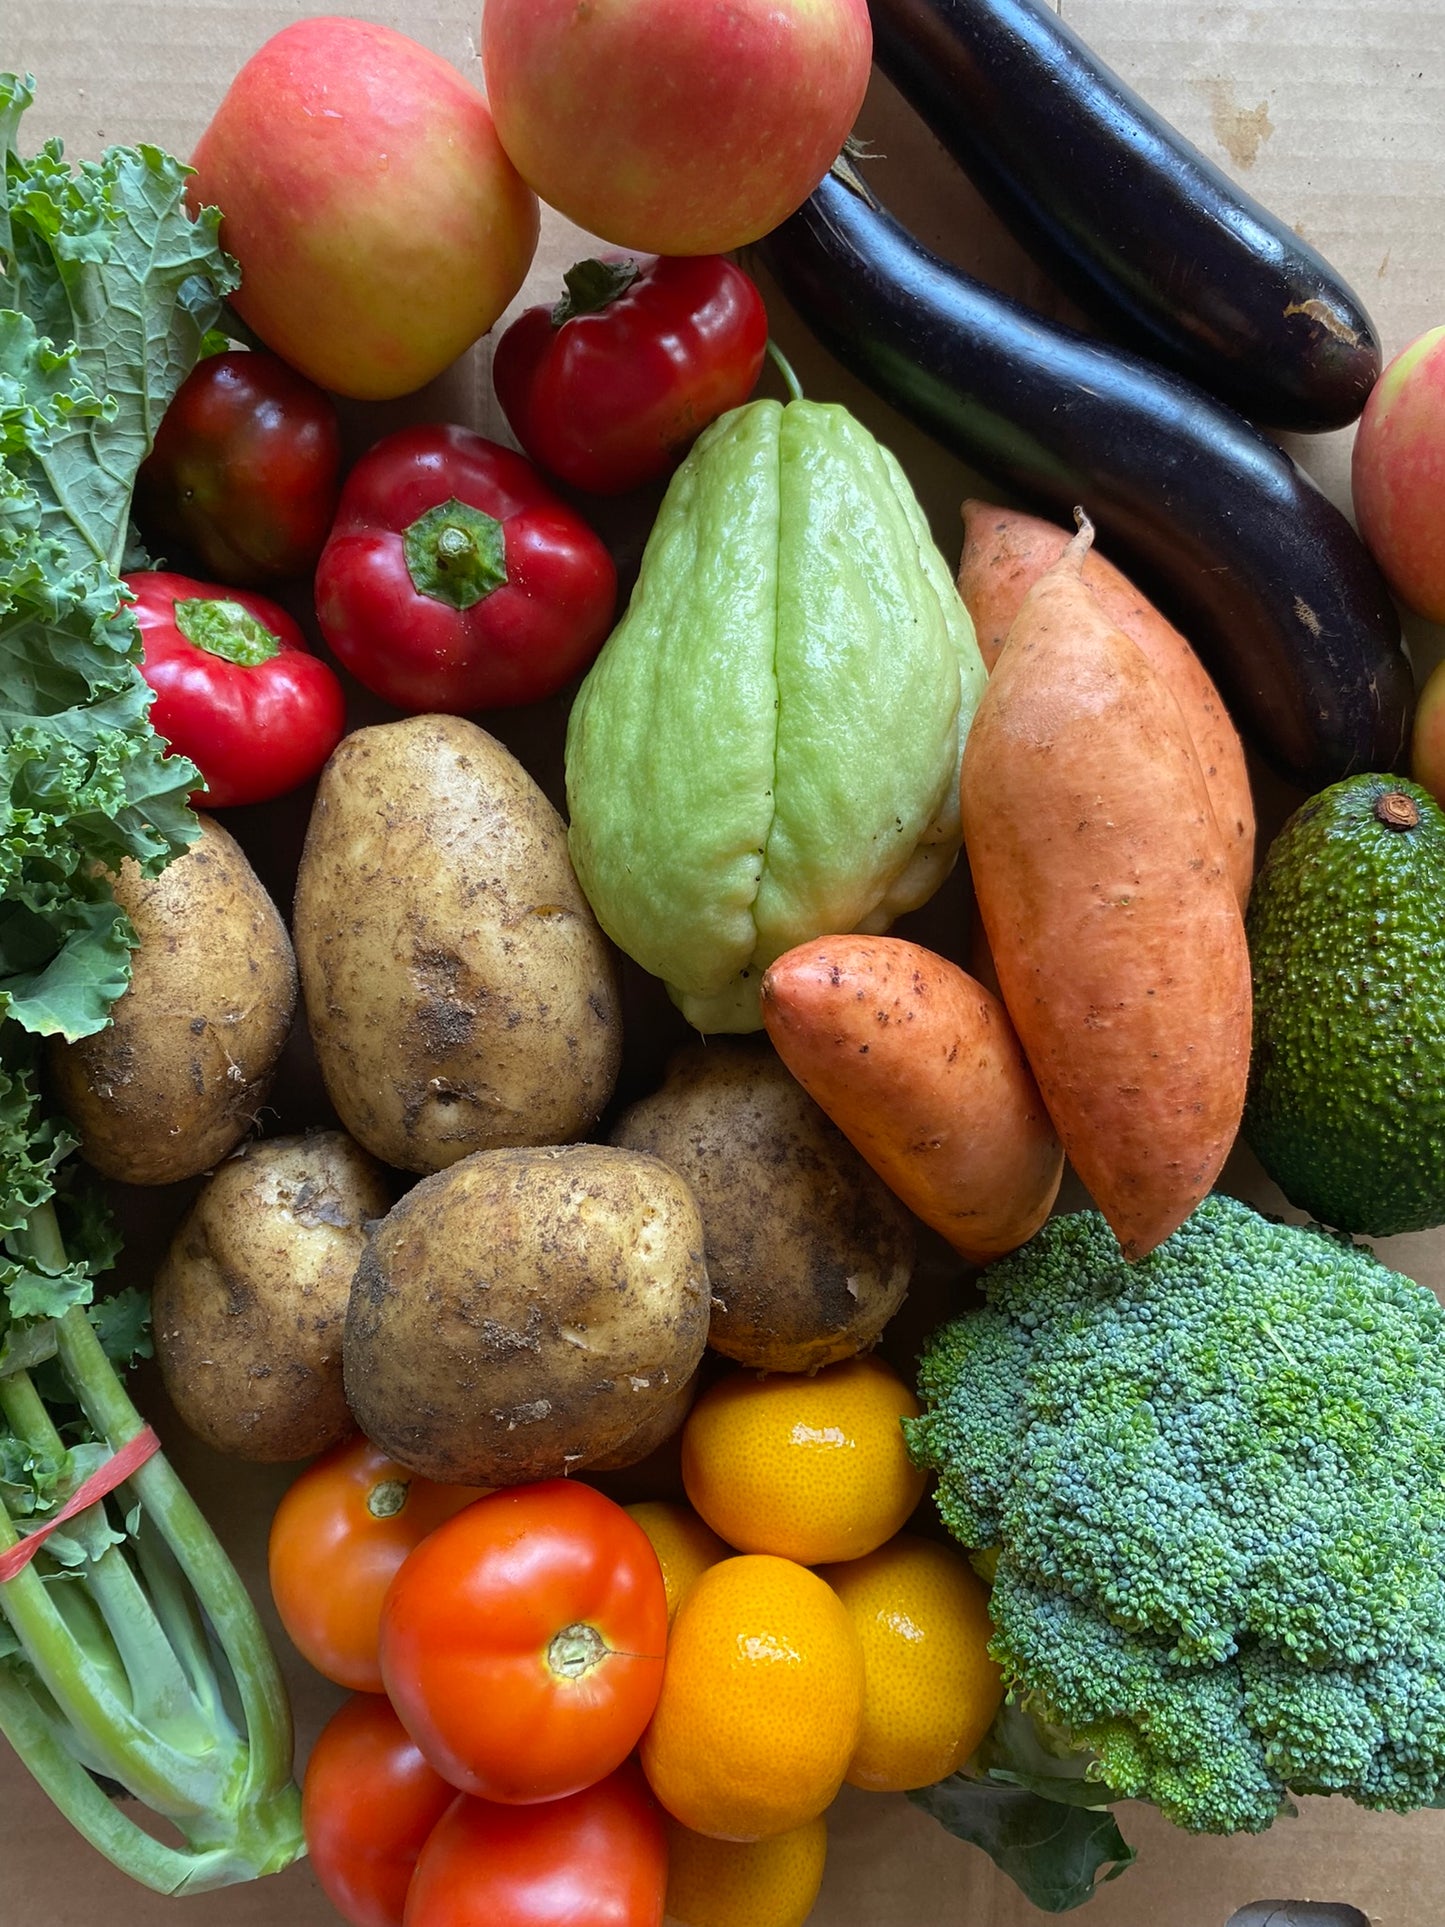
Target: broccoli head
(1214,1481)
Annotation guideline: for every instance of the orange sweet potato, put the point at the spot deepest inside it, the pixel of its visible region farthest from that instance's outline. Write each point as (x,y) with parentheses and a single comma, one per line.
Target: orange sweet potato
(1103,885)
(1005,553)
(920,1069)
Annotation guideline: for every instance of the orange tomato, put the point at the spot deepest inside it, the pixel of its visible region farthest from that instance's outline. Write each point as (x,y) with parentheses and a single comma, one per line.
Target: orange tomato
(338,1539)
(810,1468)
(930,1688)
(761,1702)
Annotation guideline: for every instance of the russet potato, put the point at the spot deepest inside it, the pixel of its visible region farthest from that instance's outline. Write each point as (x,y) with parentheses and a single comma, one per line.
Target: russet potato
(175,1080)
(525,1311)
(459,993)
(249,1302)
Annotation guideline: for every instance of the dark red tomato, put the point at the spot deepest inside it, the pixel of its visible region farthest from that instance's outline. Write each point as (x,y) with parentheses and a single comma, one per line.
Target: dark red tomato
(455,579)
(237,690)
(368,1802)
(338,1539)
(611,387)
(245,470)
(595,1859)
(522,1642)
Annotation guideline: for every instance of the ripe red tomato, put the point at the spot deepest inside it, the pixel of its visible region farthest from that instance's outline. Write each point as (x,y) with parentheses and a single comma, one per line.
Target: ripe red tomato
(368,1802)
(522,1643)
(339,1536)
(595,1859)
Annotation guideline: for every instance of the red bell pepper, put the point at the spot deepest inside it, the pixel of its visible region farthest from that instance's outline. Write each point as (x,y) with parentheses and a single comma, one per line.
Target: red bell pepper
(237,690)
(610,388)
(245,470)
(455,580)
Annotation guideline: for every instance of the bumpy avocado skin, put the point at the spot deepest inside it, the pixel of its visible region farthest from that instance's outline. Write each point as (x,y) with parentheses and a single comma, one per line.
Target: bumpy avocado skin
(1346,1106)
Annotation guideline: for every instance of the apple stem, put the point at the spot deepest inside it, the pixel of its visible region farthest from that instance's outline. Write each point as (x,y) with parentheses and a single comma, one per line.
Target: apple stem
(784,367)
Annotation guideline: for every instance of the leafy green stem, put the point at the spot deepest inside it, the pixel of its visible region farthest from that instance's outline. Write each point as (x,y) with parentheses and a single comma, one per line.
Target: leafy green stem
(159,1690)
(42,1743)
(222,1597)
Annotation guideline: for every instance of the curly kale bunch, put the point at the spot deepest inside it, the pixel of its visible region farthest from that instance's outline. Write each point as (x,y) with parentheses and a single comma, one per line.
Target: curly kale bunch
(1214,1481)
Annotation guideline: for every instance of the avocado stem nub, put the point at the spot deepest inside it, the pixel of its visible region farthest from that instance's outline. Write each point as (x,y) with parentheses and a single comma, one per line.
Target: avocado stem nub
(1397,811)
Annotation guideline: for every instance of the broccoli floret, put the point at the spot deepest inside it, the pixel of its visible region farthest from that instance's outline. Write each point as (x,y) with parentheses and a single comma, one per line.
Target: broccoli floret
(1215,1484)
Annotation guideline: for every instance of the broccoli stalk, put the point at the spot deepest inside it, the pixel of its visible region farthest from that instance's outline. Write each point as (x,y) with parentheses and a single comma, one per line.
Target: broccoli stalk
(1213,1487)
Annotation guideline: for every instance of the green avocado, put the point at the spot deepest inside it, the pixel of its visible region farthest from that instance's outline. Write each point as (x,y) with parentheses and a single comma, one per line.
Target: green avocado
(1346,1106)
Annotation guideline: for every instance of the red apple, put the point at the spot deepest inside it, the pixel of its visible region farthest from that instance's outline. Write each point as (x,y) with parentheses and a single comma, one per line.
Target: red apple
(1427,739)
(1398,474)
(379,225)
(675,126)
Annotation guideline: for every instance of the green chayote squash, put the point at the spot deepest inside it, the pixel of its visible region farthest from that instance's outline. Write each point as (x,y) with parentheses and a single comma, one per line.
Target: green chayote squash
(767,748)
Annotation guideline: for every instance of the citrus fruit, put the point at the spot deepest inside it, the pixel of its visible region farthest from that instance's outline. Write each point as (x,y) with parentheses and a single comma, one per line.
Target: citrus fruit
(930,1690)
(761,1702)
(684,1546)
(810,1468)
(756,1883)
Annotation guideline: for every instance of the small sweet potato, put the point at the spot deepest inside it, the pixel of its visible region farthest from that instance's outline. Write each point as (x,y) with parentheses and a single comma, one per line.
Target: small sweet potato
(920,1069)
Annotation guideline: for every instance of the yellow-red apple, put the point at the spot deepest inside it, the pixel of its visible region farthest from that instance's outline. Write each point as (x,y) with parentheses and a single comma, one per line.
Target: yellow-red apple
(675,126)
(379,225)
(1398,474)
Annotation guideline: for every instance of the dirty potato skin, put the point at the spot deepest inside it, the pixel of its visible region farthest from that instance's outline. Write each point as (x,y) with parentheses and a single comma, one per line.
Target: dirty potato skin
(175,1080)
(249,1302)
(664,1421)
(809,1254)
(459,993)
(522,1313)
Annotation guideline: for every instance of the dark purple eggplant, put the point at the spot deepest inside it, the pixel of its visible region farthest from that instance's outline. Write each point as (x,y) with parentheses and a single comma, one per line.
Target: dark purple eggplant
(1212,519)
(1126,214)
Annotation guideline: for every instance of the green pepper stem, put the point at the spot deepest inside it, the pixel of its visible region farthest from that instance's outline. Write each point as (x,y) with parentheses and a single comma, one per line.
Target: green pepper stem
(455,554)
(226,629)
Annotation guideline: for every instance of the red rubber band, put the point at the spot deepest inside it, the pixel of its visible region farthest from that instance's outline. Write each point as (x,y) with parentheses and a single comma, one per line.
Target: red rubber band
(105,1478)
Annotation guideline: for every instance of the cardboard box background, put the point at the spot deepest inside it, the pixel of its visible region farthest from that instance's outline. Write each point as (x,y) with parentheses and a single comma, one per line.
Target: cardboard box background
(1333,114)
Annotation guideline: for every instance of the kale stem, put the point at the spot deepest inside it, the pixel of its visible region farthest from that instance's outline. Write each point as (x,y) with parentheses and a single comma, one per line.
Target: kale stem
(42,1240)
(176,1609)
(41,1743)
(83,1687)
(157,1687)
(221,1595)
